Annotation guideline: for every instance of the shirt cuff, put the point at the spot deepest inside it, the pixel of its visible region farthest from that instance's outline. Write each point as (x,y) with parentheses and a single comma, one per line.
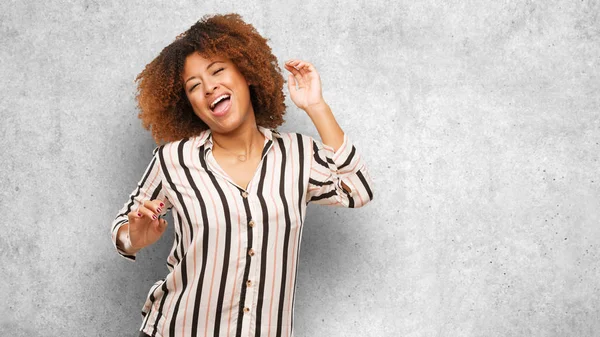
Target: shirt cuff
(345,158)
(121,252)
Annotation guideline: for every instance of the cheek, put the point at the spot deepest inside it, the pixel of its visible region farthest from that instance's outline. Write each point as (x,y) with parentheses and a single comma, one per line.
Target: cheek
(244,89)
(195,101)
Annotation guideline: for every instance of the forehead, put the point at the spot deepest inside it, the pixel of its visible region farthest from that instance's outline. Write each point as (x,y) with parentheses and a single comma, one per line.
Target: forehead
(196,62)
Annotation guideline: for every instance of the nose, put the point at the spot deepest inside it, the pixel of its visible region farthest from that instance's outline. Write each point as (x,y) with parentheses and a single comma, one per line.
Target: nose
(210,88)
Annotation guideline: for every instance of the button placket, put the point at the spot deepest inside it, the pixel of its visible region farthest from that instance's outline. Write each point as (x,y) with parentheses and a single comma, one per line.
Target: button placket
(249,284)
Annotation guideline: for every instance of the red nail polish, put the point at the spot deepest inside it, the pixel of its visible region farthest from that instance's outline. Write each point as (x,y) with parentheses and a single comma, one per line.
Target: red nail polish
(154,217)
(159,210)
(161,204)
(139,214)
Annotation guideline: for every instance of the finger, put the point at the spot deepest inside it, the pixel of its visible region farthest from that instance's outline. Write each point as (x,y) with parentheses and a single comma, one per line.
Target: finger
(146,212)
(134,215)
(292,69)
(291,83)
(297,68)
(304,72)
(297,76)
(161,225)
(289,68)
(293,65)
(306,69)
(309,66)
(292,62)
(155,205)
(300,65)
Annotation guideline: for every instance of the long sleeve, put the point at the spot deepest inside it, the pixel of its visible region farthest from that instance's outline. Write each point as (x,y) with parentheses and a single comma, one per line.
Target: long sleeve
(330,168)
(150,187)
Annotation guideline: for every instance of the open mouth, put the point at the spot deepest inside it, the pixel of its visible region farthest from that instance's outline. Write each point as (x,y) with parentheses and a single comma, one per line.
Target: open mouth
(221,104)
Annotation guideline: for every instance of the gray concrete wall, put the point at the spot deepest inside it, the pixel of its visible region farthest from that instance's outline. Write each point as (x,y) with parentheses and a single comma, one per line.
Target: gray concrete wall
(480,122)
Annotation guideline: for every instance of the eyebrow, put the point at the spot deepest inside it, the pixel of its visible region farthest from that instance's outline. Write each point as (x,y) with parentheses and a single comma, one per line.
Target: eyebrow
(208,67)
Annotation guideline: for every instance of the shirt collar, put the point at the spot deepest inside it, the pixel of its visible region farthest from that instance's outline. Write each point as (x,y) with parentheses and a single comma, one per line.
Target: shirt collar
(205,138)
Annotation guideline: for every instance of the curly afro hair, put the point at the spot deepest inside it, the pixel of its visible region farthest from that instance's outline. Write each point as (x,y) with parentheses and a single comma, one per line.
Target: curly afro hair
(165,109)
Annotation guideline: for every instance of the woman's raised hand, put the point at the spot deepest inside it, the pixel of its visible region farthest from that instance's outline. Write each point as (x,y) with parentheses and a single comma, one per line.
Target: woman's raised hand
(145,226)
(304,84)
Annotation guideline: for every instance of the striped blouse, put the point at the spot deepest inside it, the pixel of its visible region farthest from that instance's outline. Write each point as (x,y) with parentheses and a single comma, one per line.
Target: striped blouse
(232,266)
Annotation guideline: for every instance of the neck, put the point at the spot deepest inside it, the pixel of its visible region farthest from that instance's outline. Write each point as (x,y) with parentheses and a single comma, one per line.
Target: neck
(239,141)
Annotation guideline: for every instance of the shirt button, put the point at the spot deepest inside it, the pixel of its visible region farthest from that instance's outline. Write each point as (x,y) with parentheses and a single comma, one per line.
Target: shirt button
(248,283)
(251,223)
(245,194)
(251,252)
(246,309)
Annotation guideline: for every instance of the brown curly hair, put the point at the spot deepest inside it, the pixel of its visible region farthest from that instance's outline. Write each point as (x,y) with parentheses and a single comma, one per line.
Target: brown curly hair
(165,109)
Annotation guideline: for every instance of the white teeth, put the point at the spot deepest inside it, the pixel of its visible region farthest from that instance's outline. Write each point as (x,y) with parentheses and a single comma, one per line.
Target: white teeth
(220,98)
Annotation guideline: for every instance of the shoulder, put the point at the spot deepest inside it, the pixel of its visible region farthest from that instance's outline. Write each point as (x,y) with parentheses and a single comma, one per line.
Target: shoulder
(195,141)
(294,140)
(292,136)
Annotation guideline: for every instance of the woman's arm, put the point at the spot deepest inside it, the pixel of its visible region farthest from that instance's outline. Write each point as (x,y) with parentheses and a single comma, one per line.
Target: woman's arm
(338,173)
(138,223)
(304,84)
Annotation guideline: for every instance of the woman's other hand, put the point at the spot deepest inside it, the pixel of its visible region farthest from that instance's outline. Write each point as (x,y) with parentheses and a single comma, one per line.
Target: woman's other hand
(304,84)
(145,226)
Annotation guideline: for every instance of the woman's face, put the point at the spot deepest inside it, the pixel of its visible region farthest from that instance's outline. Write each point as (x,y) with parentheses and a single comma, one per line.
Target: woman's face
(218,92)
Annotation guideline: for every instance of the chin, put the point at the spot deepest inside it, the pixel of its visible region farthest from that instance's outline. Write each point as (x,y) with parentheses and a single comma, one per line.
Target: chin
(227,126)
(231,122)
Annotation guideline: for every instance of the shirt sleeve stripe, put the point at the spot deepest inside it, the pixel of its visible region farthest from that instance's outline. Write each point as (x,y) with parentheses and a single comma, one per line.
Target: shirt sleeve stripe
(349,160)
(142,183)
(365,184)
(318,159)
(324,195)
(187,216)
(320,183)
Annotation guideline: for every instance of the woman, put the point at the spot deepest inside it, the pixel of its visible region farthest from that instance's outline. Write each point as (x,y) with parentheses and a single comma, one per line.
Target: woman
(238,189)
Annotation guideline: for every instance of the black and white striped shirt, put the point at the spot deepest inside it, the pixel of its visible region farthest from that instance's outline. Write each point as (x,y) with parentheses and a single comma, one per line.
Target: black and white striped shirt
(232,267)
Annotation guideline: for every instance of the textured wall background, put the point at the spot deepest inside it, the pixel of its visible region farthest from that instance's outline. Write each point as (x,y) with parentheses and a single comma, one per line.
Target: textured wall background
(480,121)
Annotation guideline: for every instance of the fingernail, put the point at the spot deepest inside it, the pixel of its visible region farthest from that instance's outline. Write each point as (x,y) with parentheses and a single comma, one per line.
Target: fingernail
(139,214)
(161,204)
(159,210)
(153,217)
